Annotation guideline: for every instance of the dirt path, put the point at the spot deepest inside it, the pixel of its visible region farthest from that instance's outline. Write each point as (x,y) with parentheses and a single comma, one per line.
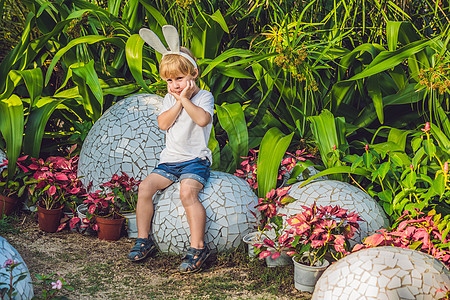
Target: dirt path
(100,270)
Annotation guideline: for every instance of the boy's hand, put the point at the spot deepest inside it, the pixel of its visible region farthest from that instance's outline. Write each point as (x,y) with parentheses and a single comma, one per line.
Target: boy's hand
(187,92)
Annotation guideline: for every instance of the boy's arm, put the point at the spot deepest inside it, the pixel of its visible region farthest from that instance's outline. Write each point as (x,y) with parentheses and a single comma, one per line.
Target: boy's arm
(197,114)
(167,118)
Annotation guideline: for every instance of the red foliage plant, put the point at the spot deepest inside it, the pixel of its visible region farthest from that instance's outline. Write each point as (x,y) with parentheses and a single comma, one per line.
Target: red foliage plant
(414,231)
(321,230)
(117,196)
(54,180)
(313,233)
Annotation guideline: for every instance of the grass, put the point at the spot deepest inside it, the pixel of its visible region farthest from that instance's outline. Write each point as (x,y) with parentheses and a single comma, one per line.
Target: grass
(7,224)
(100,270)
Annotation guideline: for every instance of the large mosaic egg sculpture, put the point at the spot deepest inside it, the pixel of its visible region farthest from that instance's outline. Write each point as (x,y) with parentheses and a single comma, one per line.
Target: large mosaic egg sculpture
(2,157)
(347,196)
(384,273)
(24,288)
(125,138)
(228,201)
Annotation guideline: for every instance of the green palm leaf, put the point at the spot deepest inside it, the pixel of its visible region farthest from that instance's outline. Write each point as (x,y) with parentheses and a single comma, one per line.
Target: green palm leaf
(271,152)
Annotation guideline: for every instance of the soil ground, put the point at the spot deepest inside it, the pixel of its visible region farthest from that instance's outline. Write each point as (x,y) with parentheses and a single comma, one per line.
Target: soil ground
(100,270)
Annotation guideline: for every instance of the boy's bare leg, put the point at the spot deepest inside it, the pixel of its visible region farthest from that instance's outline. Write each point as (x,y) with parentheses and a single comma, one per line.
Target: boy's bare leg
(195,212)
(144,209)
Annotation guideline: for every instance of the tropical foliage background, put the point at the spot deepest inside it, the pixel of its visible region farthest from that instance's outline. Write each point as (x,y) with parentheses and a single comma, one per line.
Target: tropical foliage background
(355,79)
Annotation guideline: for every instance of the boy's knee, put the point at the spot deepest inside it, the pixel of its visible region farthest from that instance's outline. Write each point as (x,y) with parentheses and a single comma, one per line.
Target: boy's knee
(189,195)
(145,187)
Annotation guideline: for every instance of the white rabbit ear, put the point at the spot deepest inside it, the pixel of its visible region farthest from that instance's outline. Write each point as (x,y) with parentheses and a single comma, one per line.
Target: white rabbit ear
(152,40)
(172,38)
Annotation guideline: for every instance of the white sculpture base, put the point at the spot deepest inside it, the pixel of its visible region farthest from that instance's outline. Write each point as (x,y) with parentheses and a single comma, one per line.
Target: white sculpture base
(125,138)
(384,273)
(228,201)
(24,288)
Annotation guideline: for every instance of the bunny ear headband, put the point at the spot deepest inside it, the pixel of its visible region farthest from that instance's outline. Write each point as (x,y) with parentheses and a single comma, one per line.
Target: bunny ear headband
(171,35)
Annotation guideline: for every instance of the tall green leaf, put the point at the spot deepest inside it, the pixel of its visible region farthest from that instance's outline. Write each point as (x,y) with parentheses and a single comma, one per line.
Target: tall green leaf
(133,50)
(90,90)
(11,126)
(271,152)
(231,118)
(36,124)
(328,132)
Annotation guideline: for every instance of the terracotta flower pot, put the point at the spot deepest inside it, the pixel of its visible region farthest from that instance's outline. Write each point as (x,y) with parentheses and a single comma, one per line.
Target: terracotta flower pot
(49,219)
(6,205)
(109,229)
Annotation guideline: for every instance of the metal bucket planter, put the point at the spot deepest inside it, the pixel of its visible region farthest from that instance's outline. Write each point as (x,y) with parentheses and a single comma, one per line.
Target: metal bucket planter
(131,225)
(280,261)
(250,239)
(305,277)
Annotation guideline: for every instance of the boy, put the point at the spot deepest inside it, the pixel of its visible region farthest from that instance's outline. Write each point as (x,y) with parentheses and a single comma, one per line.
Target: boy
(187,119)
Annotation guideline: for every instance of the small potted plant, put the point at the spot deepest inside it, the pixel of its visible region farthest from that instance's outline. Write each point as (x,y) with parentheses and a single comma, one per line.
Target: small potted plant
(103,215)
(11,187)
(125,190)
(274,243)
(52,184)
(319,234)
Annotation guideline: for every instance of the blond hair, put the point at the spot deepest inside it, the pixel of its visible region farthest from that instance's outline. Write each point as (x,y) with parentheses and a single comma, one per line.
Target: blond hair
(172,65)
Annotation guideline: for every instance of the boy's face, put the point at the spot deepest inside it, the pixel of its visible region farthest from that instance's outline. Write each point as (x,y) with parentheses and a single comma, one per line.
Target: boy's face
(177,83)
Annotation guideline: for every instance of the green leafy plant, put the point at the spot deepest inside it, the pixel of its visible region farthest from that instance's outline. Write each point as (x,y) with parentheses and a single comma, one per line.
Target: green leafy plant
(401,177)
(9,290)
(52,285)
(13,186)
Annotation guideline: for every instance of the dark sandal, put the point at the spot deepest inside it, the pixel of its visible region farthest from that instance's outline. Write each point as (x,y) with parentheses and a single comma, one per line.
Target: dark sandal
(193,260)
(142,248)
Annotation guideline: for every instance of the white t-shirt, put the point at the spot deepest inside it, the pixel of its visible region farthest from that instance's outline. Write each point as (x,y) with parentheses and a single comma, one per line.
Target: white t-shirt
(185,140)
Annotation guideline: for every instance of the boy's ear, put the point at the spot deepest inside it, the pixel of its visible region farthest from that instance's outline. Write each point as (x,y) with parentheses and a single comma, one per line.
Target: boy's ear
(196,73)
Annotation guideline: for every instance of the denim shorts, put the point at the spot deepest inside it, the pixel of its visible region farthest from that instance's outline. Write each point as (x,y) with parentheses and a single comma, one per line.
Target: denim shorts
(196,168)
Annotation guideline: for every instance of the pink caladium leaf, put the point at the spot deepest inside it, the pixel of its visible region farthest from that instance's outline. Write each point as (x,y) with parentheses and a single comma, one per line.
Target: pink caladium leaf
(291,253)
(283,238)
(374,240)
(339,243)
(264,254)
(269,242)
(73,222)
(61,227)
(270,194)
(276,255)
(52,190)
(91,209)
(61,176)
(317,243)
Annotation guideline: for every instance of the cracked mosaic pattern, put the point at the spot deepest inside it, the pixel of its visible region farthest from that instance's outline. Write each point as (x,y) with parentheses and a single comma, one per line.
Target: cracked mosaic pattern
(228,201)
(23,287)
(125,138)
(2,157)
(384,273)
(332,192)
